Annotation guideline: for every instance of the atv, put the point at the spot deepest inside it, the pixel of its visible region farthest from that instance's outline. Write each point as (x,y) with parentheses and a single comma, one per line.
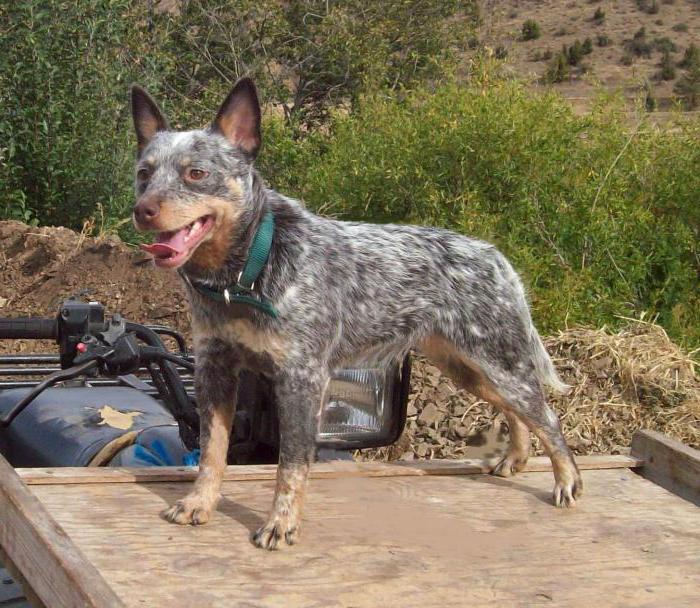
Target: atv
(116,394)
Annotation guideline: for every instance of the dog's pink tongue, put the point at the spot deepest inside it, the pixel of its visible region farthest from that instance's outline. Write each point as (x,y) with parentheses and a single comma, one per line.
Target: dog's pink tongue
(167,244)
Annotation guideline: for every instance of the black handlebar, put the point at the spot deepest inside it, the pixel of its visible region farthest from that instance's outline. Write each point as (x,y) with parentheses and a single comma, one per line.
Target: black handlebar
(30,328)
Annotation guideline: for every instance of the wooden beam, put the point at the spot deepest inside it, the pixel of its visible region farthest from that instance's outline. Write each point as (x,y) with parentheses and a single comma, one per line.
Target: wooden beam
(42,553)
(668,463)
(321,470)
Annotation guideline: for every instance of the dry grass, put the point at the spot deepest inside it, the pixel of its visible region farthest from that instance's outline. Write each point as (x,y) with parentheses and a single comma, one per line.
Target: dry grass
(624,381)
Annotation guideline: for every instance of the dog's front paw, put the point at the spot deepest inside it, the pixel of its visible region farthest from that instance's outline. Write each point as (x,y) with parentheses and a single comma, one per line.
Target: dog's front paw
(188,511)
(276,529)
(566,493)
(509,465)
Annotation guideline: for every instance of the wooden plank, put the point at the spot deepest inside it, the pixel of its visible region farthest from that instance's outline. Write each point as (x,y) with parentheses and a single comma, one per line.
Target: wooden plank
(41,551)
(668,463)
(474,540)
(321,470)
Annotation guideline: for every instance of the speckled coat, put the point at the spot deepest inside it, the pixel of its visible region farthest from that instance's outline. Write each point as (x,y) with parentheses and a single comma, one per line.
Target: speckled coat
(343,291)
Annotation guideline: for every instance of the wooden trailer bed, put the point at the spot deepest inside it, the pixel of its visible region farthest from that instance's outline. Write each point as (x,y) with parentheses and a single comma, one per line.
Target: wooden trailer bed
(435,533)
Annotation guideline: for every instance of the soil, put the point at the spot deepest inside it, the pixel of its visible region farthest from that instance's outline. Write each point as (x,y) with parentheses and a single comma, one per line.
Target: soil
(563,21)
(621,381)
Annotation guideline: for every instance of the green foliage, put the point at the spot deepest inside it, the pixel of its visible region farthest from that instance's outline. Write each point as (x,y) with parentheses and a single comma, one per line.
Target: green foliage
(651,7)
(599,15)
(531,30)
(639,45)
(66,141)
(680,27)
(575,53)
(587,46)
(602,40)
(558,69)
(649,100)
(665,45)
(668,70)
(60,153)
(602,221)
(691,57)
(688,87)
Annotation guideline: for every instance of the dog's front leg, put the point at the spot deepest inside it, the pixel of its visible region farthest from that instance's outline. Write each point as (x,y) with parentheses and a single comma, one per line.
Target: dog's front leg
(216,383)
(299,396)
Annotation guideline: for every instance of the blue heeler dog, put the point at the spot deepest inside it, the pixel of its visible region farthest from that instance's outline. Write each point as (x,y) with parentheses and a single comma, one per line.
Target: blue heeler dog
(329,292)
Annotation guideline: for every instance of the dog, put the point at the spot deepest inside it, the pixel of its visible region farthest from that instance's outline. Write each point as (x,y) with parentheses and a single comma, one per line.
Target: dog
(325,292)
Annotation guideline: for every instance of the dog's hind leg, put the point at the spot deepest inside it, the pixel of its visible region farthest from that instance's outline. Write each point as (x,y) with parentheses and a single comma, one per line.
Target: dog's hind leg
(515,458)
(216,383)
(522,399)
(299,396)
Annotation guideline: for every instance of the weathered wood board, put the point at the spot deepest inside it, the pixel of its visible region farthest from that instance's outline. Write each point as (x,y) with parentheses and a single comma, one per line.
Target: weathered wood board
(422,540)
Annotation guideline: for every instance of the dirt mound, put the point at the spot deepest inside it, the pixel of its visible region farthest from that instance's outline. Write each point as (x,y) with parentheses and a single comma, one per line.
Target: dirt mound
(40,267)
(636,378)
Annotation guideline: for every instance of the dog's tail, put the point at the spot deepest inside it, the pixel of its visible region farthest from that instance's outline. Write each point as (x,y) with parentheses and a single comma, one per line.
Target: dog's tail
(543,364)
(544,368)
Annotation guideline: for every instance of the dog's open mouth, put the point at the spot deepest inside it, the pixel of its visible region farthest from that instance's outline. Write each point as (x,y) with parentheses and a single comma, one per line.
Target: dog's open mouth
(172,249)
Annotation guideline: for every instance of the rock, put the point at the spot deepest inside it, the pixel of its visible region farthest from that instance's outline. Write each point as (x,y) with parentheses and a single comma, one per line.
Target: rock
(462,431)
(421,450)
(430,415)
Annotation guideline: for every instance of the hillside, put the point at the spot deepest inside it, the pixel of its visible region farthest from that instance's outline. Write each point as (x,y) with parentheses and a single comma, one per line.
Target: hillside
(615,61)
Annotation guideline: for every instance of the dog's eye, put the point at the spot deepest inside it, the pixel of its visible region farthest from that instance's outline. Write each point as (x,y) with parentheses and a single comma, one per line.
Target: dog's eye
(143,174)
(196,174)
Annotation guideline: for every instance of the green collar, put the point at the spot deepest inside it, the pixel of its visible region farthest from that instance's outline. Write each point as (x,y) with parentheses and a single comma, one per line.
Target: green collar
(242,291)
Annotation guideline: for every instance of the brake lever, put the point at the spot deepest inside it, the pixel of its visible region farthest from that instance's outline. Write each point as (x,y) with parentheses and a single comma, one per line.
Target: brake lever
(58,376)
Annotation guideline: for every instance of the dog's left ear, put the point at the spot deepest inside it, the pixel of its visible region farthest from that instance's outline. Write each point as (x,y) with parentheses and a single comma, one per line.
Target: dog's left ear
(238,119)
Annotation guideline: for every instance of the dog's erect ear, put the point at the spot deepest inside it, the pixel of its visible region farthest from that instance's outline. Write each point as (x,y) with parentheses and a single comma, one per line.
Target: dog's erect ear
(148,119)
(238,119)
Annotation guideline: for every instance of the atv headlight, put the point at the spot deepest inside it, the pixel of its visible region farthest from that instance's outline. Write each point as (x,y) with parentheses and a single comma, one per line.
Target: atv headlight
(364,407)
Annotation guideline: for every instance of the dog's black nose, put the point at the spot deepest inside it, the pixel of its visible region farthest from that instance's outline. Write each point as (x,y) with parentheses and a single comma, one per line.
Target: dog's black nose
(146,211)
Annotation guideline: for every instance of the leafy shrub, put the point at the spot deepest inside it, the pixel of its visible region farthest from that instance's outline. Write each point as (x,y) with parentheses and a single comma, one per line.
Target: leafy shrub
(639,45)
(599,15)
(601,221)
(668,70)
(558,69)
(688,87)
(531,30)
(691,57)
(649,100)
(66,142)
(665,45)
(603,40)
(587,46)
(680,27)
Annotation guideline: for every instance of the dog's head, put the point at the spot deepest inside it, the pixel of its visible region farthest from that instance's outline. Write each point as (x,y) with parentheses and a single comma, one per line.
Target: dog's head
(194,187)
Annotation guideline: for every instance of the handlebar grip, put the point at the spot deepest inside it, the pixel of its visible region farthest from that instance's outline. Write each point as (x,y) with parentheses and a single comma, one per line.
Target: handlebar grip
(32,328)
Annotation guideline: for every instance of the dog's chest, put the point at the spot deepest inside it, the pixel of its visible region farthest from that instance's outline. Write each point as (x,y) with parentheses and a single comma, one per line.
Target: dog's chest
(258,348)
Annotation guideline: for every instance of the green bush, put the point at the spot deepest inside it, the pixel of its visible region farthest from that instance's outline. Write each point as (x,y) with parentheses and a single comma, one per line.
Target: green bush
(66,142)
(558,69)
(691,57)
(575,53)
(601,221)
(688,87)
(602,40)
(531,30)
(639,45)
(599,15)
(668,70)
